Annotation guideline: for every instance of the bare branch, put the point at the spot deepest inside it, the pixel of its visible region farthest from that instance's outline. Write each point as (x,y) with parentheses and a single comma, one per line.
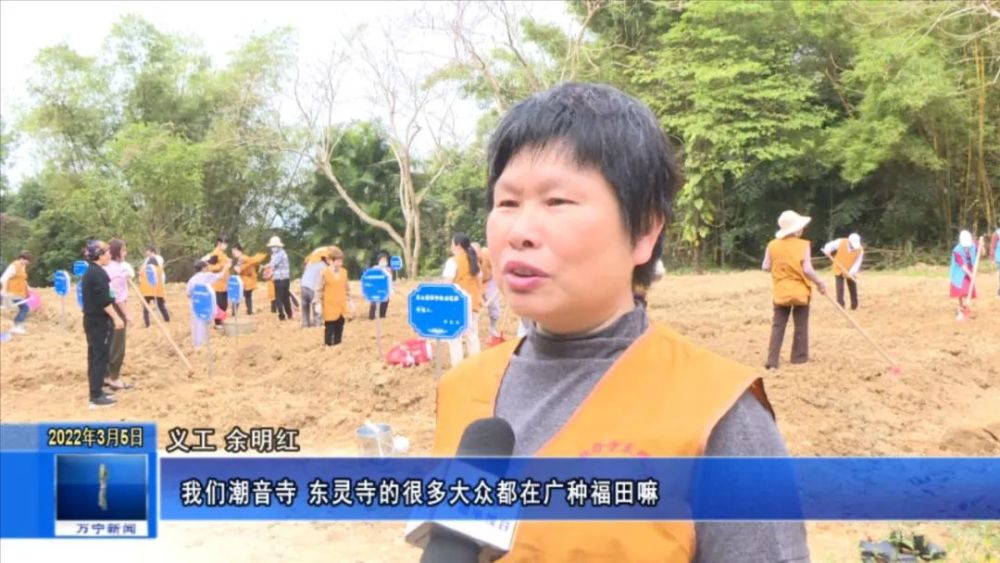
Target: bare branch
(573,48)
(509,28)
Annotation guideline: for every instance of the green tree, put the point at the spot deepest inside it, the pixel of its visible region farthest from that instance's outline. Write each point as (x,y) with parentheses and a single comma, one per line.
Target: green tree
(727,81)
(366,168)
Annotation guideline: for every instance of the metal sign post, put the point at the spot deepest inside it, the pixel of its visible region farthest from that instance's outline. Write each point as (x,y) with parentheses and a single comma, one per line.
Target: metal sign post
(376,286)
(203,308)
(234,289)
(438,311)
(61,284)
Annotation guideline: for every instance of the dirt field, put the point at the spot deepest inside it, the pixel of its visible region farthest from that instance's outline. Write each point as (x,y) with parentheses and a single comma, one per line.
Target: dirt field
(844,402)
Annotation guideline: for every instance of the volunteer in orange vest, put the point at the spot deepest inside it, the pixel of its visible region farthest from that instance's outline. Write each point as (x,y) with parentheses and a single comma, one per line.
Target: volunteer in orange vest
(846,254)
(335,288)
(148,291)
(581,179)
(14,287)
(270,290)
(462,269)
(246,268)
(788,258)
(223,263)
(491,293)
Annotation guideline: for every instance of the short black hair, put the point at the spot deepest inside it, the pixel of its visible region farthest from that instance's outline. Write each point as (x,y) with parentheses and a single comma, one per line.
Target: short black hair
(221,238)
(200,265)
(238,246)
(608,130)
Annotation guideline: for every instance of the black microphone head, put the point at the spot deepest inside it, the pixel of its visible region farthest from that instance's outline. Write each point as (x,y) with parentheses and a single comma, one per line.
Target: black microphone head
(446,546)
(487,437)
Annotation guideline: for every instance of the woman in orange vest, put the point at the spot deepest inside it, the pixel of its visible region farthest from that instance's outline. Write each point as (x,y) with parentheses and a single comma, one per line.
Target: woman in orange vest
(223,262)
(335,288)
(14,285)
(846,254)
(581,180)
(491,293)
(246,267)
(156,291)
(463,270)
(788,258)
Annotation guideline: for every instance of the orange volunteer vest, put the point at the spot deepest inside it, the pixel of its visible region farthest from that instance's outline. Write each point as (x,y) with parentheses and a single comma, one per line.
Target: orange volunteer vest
(147,290)
(791,287)
(334,294)
(662,398)
(317,255)
(220,284)
(248,270)
(844,258)
(486,266)
(17,285)
(468,282)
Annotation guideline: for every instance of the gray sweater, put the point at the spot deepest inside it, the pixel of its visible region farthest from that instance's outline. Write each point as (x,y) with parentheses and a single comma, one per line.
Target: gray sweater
(551,376)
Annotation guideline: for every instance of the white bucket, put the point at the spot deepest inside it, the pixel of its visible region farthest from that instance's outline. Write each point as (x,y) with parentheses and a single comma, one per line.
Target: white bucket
(375,440)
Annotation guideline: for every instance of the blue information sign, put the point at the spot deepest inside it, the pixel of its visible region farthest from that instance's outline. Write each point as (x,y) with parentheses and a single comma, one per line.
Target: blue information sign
(61,282)
(80,267)
(203,303)
(79,295)
(396,263)
(234,289)
(151,275)
(438,310)
(375,285)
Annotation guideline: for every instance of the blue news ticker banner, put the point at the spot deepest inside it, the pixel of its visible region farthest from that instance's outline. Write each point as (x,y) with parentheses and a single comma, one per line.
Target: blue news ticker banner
(207,488)
(78,480)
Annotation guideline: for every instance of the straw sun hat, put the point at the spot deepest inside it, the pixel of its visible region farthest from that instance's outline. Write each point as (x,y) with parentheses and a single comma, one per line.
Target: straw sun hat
(791,222)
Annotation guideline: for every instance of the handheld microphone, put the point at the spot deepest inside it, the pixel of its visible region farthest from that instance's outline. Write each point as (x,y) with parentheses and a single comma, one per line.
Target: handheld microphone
(463,541)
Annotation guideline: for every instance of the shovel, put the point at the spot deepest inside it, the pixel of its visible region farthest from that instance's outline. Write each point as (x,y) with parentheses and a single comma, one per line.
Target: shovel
(895,369)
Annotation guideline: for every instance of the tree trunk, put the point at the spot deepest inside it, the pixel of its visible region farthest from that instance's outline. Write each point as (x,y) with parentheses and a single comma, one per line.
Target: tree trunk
(983,180)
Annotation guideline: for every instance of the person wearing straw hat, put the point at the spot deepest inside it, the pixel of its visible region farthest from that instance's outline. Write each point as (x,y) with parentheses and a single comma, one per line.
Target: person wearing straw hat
(846,254)
(964,257)
(280,274)
(14,286)
(789,259)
